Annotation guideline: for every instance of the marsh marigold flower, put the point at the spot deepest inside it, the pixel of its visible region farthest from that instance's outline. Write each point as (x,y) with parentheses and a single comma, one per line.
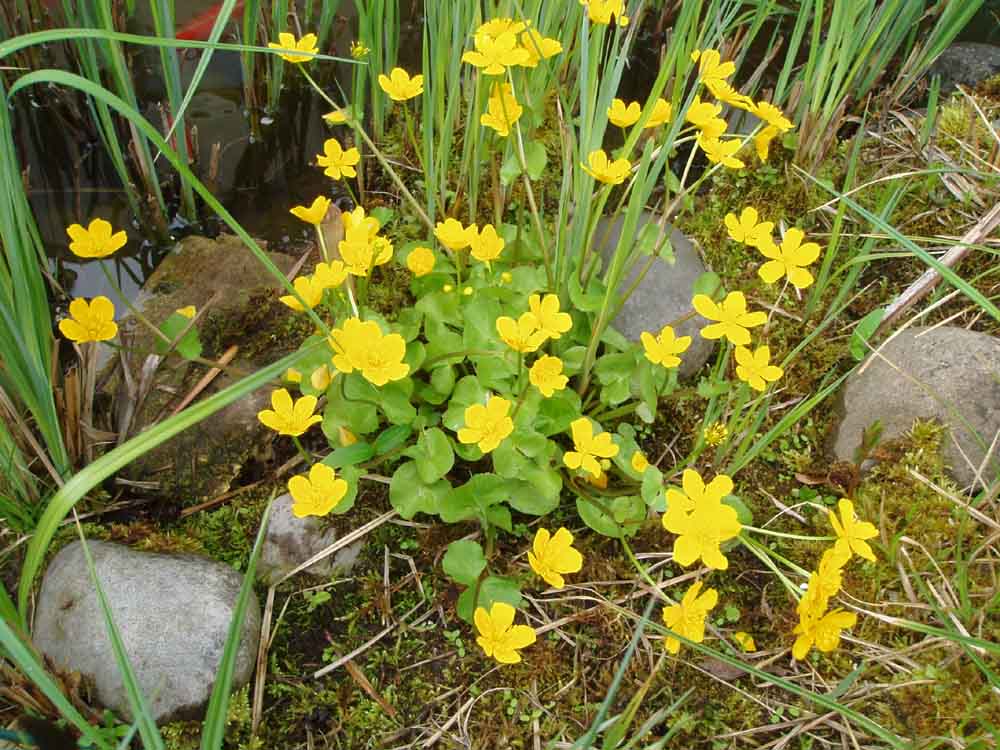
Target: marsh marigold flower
(330,275)
(762,141)
(493,54)
(538,47)
(308,289)
(336,117)
(721,152)
(89,321)
(420,261)
(315,213)
(715,433)
(851,532)
(188,311)
(772,116)
(662,112)
(829,574)
(747,229)
(710,66)
(400,86)
(486,245)
(502,25)
(498,636)
(521,335)
(453,235)
(502,109)
(338,163)
(663,348)
(488,425)
(731,315)
(609,172)
(687,618)
(754,368)
(287,417)
(546,375)
(553,555)
(361,345)
(701,520)
(305,44)
(745,641)
(321,378)
(361,252)
(317,494)
(545,311)
(704,115)
(789,259)
(601,11)
(820,629)
(639,462)
(725,93)
(624,116)
(588,447)
(96,241)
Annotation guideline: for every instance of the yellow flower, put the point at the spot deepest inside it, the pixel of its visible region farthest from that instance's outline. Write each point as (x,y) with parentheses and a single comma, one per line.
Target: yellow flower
(695,491)
(467,292)
(722,91)
(789,259)
(546,375)
(487,245)
(609,172)
(711,68)
(624,116)
(453,235)
(664,348)
(662,112)
(538,47)
(330,275)
(601,11)
(361,345)
(356,219)
(358,50)
(502,109)
(315,213)
(188,312)
(89,321)
(552,555)
(497,26)
(361,252)
(754,368)
(293,376)
(745,641)
(320,378)
(338,162)
(96,241)
(506,277)
(721,152)
(701,520)
(762,141)
(521,335)
(772,116)
(732,316)
(498,636)
(420,261)
(336,117)
(851,533)
(494,53)
(488,425)
(308,289)
(703,114)
(588,447)
(545,311)
(747,230)
(305,44)
(288,418)
(821,630)
(600,481)
(318,494)
(639,462)
(399,86)
(715,433)
(828,578)
(687,619)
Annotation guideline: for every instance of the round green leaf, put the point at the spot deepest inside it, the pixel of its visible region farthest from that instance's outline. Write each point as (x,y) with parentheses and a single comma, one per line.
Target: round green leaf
(464,561)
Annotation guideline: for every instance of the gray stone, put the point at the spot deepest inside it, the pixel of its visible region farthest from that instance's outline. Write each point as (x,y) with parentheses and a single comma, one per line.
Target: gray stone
(290,541)
(937,373)
(966,64)
(664,295)
(173,613)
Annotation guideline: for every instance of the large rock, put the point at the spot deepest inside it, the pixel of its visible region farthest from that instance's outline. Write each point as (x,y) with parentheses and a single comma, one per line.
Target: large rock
(945,373)
(966,64)
(663,296)
(173,613)
(290,541)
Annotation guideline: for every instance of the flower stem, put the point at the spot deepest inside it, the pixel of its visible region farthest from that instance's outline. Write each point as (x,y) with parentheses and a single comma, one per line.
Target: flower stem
(302,451)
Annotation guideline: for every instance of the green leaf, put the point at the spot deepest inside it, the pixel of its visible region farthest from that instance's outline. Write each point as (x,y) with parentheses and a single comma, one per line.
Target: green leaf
(391,438)
(433,455)
(492,589)
(510,170)
(394,398)
(535,159)
(479,330)
(349,455)
(473,498)
(863,332)
(409,495)
(627,515)
(499,515)
(743,513)
(557,412)
(537,494)
(653,491)
(708,283)
(467,391)
(189,346)
(464,561)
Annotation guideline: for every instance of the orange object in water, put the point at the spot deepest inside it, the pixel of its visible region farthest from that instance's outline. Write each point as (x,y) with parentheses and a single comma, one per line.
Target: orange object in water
(200,27)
